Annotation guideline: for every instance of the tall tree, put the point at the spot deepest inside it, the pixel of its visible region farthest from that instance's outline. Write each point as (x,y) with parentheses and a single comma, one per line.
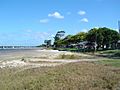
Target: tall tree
(58,36)
(103,37)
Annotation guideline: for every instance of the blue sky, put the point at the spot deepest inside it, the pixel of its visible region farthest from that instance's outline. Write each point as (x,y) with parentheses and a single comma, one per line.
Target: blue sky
(30,22)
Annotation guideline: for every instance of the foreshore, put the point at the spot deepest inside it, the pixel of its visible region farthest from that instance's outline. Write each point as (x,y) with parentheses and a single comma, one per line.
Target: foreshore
(36,58)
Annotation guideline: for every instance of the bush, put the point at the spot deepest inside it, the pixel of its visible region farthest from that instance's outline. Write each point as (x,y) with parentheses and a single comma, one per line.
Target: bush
(69,56)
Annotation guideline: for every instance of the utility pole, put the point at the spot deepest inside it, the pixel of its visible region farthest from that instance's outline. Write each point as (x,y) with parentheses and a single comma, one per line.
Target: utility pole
(119,26)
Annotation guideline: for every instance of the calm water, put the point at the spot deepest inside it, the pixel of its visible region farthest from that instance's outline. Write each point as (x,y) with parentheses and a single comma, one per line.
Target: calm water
(12,50)
(8,51)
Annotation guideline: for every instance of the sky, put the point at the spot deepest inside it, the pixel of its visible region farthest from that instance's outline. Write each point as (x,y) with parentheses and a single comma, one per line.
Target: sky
(30,22)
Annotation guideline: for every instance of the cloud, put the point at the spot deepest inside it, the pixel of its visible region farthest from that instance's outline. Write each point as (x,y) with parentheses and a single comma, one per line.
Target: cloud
(84,20)
(56,15)
(40,35)
(44,20)
(36,35)
(27,37)
(81,13)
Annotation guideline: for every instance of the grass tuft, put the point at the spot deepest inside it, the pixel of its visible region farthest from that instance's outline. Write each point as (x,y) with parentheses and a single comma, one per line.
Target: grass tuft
(69,56)
(113,62)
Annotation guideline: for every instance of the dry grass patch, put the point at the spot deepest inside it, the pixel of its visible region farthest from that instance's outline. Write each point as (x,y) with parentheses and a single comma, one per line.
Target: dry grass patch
(69,56)
(73,76)
(73,56)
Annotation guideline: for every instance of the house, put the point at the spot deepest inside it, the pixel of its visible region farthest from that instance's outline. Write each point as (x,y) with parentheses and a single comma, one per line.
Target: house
(71,46)
(118,44)
(86,45)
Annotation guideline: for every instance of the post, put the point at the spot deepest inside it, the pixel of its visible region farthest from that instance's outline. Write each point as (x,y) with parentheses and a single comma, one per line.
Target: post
(119,26)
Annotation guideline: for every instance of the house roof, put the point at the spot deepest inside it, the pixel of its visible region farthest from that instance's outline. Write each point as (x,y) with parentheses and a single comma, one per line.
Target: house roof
(118,41)
(84,42)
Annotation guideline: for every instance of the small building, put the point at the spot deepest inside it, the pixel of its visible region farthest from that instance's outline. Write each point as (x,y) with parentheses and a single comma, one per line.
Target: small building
(86,45)
(118,44)
(71,46)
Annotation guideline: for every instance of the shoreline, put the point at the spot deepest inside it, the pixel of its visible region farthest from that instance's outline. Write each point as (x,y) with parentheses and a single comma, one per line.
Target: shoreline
(21,58)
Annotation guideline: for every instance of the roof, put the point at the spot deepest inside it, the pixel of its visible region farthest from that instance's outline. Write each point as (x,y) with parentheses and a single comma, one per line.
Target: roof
(118,41)
(84,42)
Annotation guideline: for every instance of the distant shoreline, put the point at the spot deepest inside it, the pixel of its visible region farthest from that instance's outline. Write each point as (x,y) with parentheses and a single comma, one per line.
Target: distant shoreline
(18,47)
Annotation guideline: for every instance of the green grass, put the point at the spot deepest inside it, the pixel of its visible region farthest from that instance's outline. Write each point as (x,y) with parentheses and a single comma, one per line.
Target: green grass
(109,51)
(67,49)
(113,62)
(73,76)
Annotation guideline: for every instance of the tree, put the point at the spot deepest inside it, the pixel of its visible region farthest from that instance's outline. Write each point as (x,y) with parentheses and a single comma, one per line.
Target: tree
(114,39)
(103,37)
(106,33)
(58,36)
(71,39)
(47,42)
(67,40)
(95,35)
(110,37)
(81,36)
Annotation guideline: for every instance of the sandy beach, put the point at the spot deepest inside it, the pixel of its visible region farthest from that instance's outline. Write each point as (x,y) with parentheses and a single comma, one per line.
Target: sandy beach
(36,58)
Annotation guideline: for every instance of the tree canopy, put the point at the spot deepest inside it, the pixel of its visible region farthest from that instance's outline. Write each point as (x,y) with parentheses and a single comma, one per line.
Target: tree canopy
(101,36)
